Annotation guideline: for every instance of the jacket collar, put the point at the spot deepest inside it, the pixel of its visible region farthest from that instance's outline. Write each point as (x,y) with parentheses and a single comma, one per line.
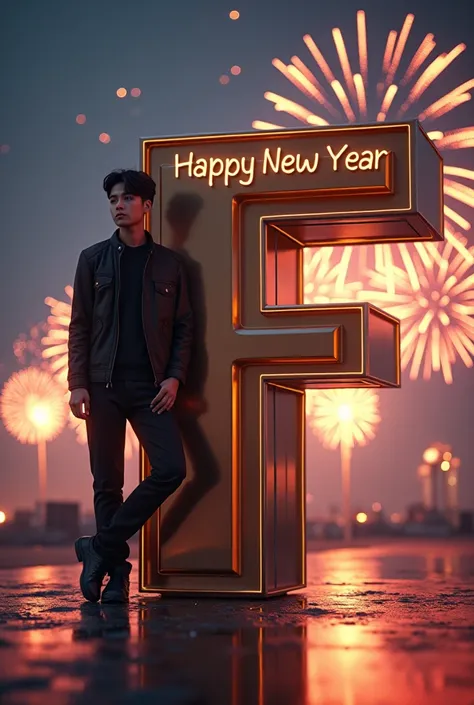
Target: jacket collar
(117,244)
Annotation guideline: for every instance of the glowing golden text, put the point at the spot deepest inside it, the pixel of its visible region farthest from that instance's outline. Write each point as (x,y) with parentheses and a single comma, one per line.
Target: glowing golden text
(275,161)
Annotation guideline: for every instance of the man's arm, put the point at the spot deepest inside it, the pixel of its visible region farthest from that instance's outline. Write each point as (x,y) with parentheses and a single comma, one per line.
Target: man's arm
(182,332)
(80,326)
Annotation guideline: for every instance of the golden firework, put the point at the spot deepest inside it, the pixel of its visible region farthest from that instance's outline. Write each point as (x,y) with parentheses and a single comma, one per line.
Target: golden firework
(398,93)
(323,278)
(55,343)
(33,410)
(401,91)
(343,416)
(32,406)
(55,351)
(433,297)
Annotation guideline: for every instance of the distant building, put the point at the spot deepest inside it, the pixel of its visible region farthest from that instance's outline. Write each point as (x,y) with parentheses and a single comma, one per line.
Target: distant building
(466,522)
(23,519)
(423,521)
(62,519)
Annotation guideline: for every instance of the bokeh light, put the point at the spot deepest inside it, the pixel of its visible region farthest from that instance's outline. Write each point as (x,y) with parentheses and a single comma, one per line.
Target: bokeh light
(121,92)
(224,80)
(361,518)
(376,507)
(135,92)
(431,455)
(445,465)
(104,138)
(3,517)
(234,15)
(424,470)
(81,119)
(235,70)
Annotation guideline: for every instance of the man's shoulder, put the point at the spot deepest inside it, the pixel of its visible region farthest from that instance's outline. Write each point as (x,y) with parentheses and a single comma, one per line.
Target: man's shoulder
(90,252)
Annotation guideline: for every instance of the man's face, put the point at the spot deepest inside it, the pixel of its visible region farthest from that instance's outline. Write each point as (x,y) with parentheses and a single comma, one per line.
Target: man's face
(126,209)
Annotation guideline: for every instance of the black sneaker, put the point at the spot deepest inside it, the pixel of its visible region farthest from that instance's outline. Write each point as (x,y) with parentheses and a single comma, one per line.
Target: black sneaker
(117,589)
(93,571)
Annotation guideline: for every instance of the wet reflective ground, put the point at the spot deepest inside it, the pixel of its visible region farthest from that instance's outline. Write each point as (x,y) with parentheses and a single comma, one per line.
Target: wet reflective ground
(385,625)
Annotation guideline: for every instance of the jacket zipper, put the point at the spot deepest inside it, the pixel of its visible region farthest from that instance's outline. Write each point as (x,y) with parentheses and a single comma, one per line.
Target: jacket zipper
(143,320)
(117,318)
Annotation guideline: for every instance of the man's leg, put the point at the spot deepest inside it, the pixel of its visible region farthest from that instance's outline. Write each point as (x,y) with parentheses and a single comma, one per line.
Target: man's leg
(161,440)
(106,439)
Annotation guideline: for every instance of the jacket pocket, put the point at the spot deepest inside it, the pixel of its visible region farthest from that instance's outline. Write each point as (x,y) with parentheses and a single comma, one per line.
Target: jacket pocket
(164,299)
(165,289)
(103,297)
(101,281)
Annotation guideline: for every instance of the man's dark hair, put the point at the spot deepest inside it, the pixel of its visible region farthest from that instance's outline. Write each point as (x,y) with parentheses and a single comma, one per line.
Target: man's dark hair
(136,183)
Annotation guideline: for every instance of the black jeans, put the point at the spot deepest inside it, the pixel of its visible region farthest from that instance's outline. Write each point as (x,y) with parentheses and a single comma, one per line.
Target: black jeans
(159,435)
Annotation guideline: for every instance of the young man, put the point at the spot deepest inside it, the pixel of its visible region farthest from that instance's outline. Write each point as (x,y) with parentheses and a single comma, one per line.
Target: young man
(129,346)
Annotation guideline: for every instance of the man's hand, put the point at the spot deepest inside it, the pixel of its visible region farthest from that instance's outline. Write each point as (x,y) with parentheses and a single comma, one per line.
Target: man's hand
(80,403)
(166,397)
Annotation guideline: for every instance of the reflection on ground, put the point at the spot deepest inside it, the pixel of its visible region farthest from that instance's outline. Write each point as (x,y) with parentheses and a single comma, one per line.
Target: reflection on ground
(385,625)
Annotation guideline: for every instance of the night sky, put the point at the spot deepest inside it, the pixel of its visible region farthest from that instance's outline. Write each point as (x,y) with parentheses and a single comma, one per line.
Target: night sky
(60,59)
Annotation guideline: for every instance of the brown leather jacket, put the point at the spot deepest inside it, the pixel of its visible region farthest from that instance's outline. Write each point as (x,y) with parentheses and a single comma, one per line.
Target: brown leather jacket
(166,312)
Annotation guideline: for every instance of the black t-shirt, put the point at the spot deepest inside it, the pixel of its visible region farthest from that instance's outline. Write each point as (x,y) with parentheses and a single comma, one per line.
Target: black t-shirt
(132,361)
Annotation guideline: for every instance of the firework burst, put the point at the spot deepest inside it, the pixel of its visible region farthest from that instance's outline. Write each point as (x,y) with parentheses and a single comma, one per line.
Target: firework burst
(323,277)
(400,91)
(27,347)
(343,416)
(32,406)
(398,94)
(433,297)
(55,343)
(55,351)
